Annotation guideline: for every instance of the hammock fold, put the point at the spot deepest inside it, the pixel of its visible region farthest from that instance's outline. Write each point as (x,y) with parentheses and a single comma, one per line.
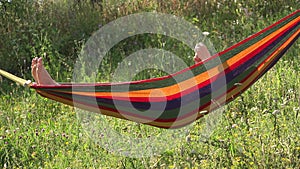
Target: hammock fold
(179,99)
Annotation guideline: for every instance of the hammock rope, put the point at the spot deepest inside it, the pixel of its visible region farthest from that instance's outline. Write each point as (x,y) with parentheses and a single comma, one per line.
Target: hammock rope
(244,63)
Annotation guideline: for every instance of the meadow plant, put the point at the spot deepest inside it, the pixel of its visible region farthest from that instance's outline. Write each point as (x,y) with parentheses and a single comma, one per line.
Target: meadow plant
(260,129)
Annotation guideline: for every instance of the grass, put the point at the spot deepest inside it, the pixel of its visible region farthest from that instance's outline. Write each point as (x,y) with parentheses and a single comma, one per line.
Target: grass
(260,129)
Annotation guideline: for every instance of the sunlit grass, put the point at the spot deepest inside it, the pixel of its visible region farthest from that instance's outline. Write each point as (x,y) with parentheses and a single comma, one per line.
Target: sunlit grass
(260,129)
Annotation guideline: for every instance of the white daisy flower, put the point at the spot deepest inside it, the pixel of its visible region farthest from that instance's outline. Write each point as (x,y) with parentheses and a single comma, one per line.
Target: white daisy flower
(205,33)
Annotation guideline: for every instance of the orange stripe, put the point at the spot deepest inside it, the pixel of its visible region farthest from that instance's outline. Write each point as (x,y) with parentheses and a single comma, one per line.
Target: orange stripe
(118,115)
(260,69)
(188,119)
(192,82)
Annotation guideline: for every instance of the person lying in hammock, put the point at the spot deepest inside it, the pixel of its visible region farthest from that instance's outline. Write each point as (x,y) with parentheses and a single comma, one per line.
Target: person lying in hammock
(42,77)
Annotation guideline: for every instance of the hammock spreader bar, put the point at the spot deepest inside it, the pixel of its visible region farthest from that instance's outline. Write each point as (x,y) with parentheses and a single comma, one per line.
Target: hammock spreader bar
(181,102)
(20,81)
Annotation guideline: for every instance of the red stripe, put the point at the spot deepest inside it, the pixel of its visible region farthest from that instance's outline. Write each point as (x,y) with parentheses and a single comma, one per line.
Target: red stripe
(186,115)
(207,82)
(253,36)
(168,76)
(261,48)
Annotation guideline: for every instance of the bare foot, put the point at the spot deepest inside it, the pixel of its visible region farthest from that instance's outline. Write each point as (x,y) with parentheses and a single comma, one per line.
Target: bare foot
(201,53)
(40,74)
(33,68)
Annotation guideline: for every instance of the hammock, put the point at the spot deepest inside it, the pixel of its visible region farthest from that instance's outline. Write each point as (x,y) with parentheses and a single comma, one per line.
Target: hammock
(183,102)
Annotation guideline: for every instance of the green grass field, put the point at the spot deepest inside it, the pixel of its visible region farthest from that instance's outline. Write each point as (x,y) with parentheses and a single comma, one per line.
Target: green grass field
(260,129)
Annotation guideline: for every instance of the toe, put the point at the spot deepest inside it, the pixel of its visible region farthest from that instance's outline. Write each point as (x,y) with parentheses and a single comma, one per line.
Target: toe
(40,60)
(33,62)
(34,68)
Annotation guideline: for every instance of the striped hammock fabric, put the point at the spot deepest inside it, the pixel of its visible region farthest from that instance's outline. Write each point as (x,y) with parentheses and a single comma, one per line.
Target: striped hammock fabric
(175,100)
